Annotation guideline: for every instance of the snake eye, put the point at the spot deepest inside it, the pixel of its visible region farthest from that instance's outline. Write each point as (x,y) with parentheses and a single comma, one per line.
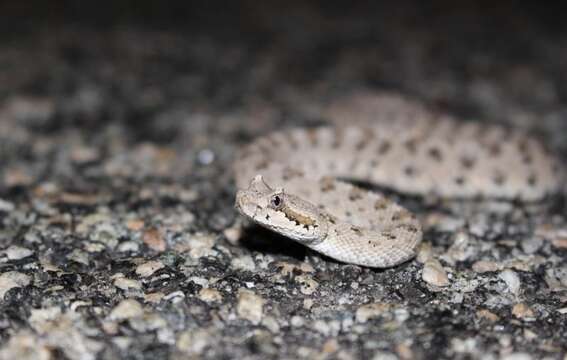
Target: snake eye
(276,201)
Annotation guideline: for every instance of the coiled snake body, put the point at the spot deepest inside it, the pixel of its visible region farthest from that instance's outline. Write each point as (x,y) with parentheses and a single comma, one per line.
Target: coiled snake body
(290,183)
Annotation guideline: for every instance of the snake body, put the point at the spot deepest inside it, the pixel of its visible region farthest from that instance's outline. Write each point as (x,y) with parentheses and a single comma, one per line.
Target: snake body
(291,181)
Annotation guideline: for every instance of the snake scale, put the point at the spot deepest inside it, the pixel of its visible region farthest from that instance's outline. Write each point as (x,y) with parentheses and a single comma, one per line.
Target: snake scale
(291,181)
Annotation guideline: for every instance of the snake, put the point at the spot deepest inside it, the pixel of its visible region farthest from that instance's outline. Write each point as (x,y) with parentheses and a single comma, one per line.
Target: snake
(301,182)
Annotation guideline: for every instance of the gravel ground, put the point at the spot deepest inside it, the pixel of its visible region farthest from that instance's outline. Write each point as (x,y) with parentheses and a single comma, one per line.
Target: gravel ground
(118,238)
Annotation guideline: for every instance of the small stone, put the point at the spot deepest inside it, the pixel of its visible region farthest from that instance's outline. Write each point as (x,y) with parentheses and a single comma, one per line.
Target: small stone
(483,266)
(532,245)
(126,309)
(271,324)
(24,345)
(128,246)
(148,268)
(488,315)
(12,279)
(209,295)
(193,341)
(384,356)
(154,240)
(517,356)
(425,252)
(330,346)
(154,298)
(250,306)
(522,311)
(206,156)
(434,274)
(244,262)
(14,252)
(511,279)
(307,285)
(297,321)
(127,284)
(84,155)
(105,233)
(135,225)
(79,256)
(460,250)
(6,206)
(233,234)
(370,311)
(560,242)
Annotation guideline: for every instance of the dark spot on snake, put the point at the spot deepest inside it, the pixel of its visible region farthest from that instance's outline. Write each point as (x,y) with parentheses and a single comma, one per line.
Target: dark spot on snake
(262,165)
(435,154)
(384,147)
(409,170)
(499,179)
(312,136)
(532,180)
(373,163)
(355,194)
(523,147)
(495,149)
(467,162)
(356,230)
(411,146)
(327,184)
(348,214)
(459,180)
(527,159)
(381,204)
(291,140)
(337,141)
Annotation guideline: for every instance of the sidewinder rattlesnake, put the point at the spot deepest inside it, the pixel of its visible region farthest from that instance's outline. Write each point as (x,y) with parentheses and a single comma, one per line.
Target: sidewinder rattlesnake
(290,183)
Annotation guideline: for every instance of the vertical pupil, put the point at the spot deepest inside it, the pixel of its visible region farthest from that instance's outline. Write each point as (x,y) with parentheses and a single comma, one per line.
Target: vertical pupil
(276,201)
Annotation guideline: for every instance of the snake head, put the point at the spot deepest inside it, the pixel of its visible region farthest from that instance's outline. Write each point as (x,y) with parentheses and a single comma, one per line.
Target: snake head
(281,212)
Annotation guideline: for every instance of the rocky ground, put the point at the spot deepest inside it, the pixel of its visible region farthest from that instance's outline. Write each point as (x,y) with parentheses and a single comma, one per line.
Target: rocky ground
(118,238)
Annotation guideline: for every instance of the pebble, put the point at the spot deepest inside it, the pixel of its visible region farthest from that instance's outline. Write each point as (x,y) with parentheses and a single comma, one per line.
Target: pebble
(380,355)
(106,233)
(483,266)
(127,284)
(12,279)
(148,268)
(434,274)
(25,346)
(245,263)
(250,306)
(307,285)
(209,295)
(532,245)
(15,252)
(6,206)
(193,341)
(517,356)
(154,240)
(460,250)
(523,312)
(511,279)
(126,309)
(488,315)
(371,311)
(135,224)
(233,234)
(425,252)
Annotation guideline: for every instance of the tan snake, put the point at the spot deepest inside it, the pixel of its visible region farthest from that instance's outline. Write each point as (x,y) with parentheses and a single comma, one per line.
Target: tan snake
(290,183)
